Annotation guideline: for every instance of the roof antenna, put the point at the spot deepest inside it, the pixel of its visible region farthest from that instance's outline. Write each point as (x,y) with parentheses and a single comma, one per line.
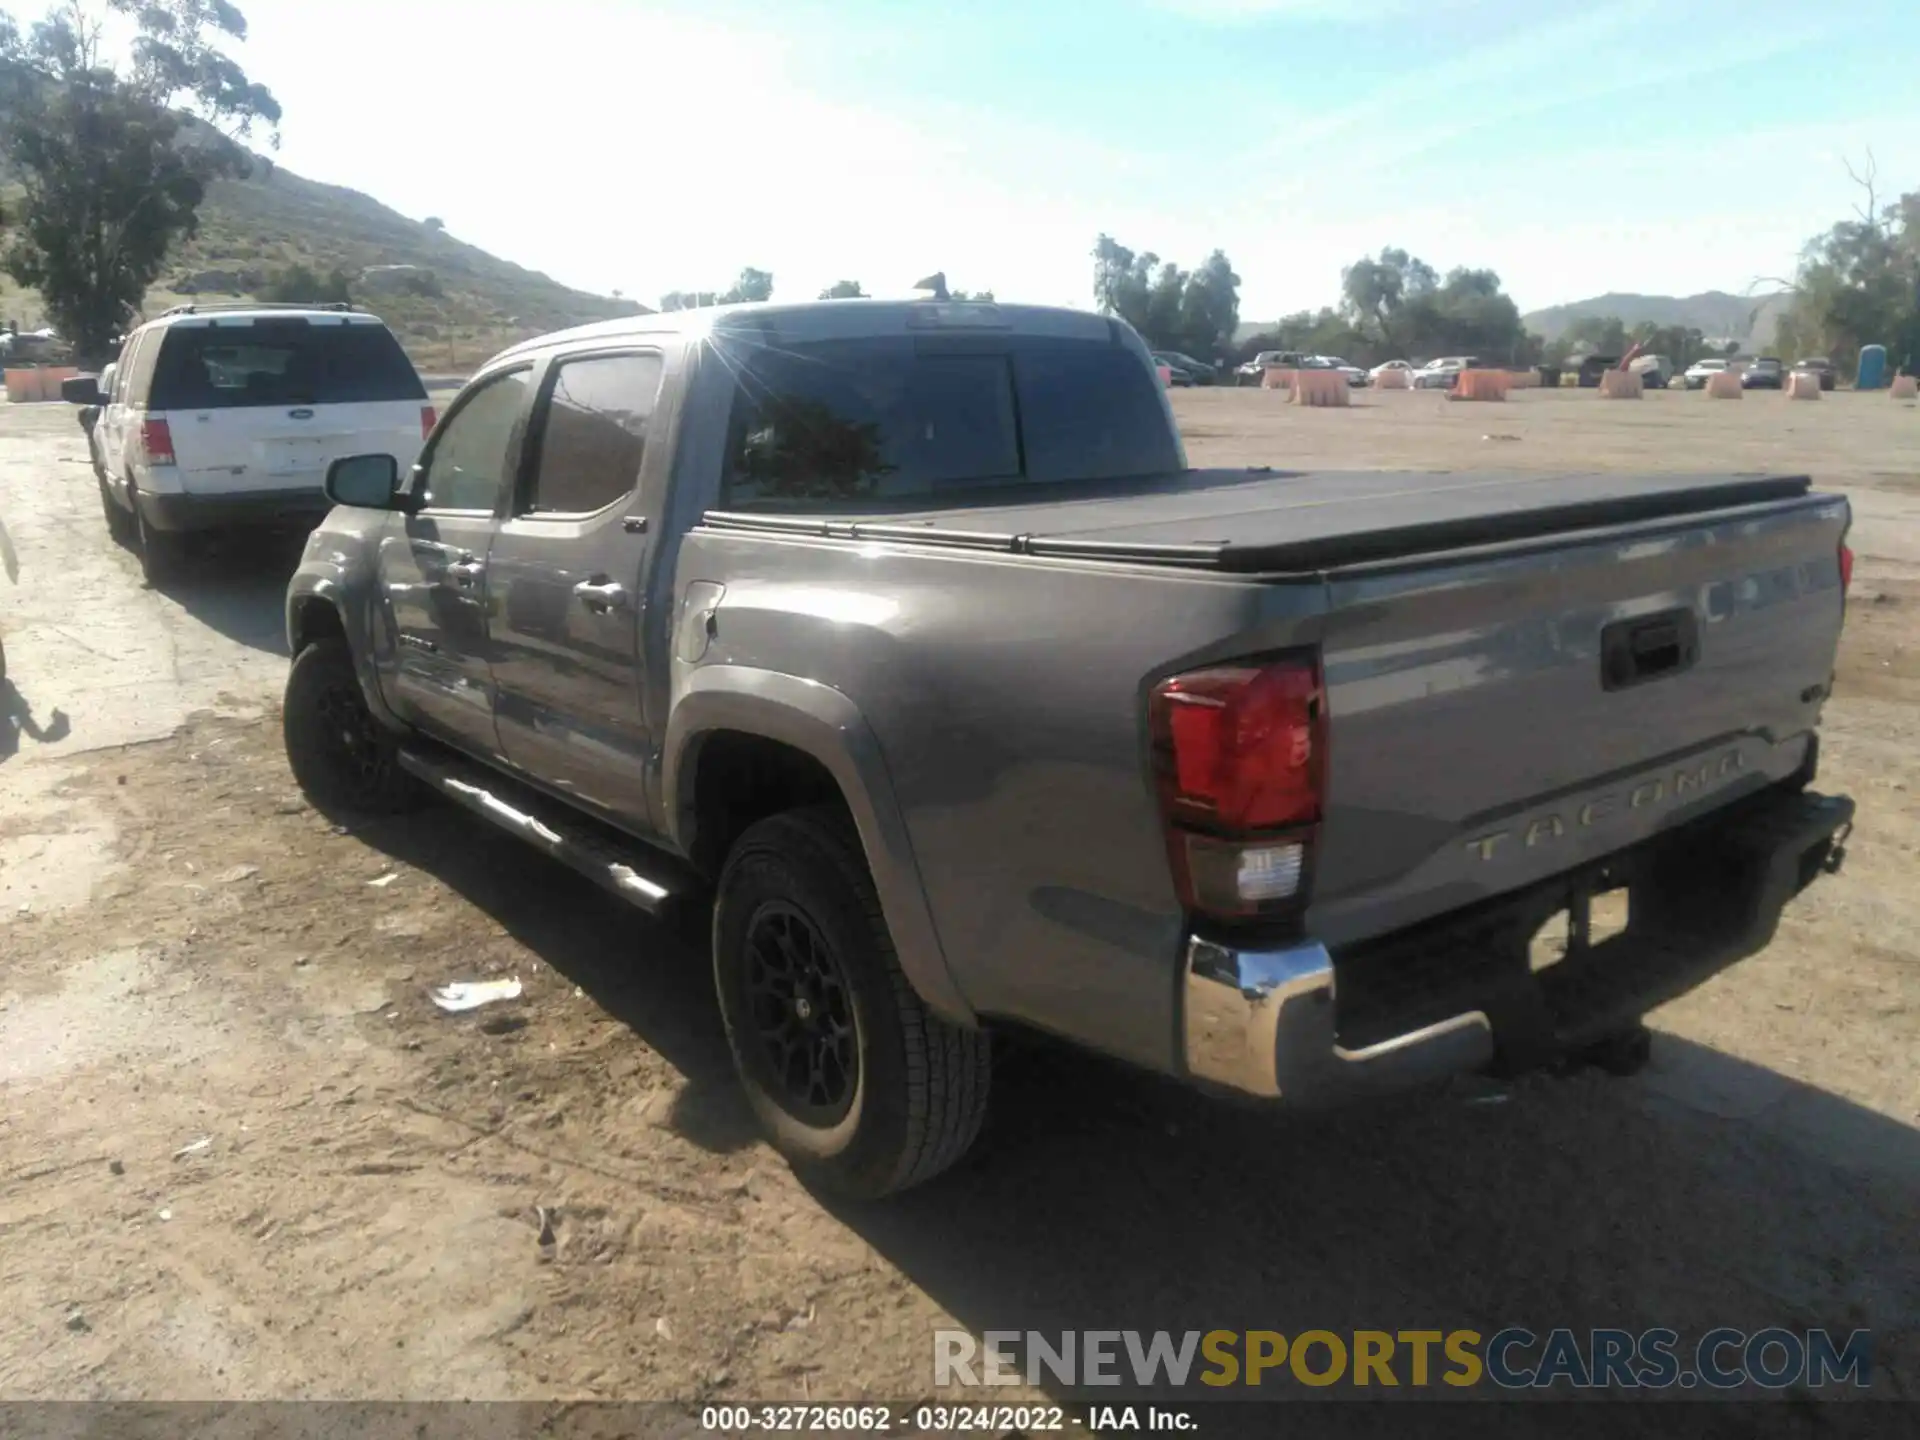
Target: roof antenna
(937,283)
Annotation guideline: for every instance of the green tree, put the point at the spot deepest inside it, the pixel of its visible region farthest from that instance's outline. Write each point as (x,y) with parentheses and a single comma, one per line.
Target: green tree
(1173,309)
(843,290)
(1377,293)
(1859,284)
(753,285)
(112,177)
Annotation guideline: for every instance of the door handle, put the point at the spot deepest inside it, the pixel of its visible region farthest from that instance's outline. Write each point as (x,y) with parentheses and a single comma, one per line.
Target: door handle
(601,595)
(464,572)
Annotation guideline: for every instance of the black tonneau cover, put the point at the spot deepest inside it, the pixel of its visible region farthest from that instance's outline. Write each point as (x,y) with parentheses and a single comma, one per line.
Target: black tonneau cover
(1259,520)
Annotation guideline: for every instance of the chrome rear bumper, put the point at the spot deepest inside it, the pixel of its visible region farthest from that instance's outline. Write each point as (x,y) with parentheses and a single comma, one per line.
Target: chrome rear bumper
(1262,1022)
(1459,992)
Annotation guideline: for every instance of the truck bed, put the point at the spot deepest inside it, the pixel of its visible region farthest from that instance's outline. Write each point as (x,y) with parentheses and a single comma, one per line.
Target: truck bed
(1267,521)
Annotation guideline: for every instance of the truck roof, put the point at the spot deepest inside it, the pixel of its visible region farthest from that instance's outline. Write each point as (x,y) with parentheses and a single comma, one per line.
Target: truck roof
(834,320)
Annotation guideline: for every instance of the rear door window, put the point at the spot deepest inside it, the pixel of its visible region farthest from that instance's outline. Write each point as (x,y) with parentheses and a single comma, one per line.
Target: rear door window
(892,419)
(593,434)
(281,362)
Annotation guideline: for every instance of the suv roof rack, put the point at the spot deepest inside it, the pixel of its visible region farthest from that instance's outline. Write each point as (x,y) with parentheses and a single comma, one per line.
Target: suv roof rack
(335,306)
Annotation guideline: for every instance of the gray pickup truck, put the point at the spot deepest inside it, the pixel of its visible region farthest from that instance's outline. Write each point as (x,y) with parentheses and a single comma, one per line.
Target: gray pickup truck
(904,635)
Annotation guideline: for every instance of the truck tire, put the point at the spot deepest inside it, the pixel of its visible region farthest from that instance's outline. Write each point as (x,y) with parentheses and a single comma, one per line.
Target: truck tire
(342,758)
(856,1083)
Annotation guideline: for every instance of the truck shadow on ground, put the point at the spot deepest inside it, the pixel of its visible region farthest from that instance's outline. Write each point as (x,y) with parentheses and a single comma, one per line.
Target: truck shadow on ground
(1706,1192)
(237,587)
(651,976)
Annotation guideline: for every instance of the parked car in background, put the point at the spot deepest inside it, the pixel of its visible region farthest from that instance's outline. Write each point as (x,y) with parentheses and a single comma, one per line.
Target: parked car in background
(1355,375)
(225,417)
(1196,372)
(1255,369)
(1442,373)
(1390,365)
(1821,366)
(1696,375)
(1654,370)
(1592,367)
(649,596)
(1766,373)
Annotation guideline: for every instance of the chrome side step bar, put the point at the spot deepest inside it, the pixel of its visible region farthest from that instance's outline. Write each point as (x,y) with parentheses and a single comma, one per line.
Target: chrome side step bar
(499,800)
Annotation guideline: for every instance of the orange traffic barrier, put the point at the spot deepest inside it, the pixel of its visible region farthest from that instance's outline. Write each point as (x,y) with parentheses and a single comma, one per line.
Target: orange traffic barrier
(52,377)
(24,385)
(1276,378)
(1392,380)
(1321,387)
(1479,385)
(1724,385)
(1523,379)
(1904,387)
(1166,376)
(1801,386)
(1620,385)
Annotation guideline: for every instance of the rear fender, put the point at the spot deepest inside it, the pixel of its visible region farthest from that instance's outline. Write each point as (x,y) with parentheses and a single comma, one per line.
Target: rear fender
(823,723)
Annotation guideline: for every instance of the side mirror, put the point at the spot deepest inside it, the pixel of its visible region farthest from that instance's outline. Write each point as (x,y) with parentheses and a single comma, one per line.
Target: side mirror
(82,390)
(371,482)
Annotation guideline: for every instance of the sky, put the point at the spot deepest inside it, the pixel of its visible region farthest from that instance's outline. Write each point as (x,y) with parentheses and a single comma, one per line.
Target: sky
(1574,146)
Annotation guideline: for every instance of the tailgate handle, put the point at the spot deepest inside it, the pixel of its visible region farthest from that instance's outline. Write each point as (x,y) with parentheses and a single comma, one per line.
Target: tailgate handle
(1632,652)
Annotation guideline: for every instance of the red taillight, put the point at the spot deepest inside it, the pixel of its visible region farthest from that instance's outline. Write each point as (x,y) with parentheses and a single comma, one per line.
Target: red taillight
(1246,744)
(156,440)
(427,418)
(1241,755)
(1846,567)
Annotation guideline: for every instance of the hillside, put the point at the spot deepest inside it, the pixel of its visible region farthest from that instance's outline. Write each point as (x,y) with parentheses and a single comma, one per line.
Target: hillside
(1750,319)
(455,306)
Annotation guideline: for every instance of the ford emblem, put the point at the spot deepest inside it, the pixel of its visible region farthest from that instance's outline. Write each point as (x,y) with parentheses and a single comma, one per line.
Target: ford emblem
(300,414)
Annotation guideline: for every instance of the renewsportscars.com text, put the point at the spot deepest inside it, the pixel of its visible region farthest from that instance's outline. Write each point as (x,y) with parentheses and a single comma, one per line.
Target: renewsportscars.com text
(1513,1358)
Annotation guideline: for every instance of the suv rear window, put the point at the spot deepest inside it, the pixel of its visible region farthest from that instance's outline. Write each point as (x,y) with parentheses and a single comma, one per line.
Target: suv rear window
(280,362)
(853,422)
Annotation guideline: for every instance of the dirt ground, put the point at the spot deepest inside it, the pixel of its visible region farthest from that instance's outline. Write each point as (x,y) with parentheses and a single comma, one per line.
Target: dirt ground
(243,1156)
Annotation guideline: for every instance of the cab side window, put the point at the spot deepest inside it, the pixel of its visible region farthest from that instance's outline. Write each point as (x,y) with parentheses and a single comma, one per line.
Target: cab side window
(593,434)
(474,449)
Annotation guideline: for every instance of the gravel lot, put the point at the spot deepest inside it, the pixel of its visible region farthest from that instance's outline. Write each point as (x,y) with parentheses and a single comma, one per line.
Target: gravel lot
(190,952)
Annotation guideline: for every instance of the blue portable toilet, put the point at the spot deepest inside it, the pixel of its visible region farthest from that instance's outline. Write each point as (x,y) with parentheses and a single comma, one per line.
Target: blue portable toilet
(1873,367)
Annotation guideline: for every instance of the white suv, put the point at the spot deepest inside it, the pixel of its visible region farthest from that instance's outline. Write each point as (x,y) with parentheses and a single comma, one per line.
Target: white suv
(226,418)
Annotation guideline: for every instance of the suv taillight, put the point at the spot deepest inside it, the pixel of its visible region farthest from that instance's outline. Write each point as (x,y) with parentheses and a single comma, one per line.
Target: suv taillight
(1846,567)
(427,419)
(156,441)
(1240,755)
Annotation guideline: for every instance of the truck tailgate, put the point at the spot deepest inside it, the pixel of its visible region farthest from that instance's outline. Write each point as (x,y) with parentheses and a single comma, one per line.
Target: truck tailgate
(1502,715)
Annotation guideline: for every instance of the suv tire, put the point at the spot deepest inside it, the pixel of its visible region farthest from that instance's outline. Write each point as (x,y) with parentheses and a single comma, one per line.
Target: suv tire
(120,523)
(162,553)
(342,758)
(808,982)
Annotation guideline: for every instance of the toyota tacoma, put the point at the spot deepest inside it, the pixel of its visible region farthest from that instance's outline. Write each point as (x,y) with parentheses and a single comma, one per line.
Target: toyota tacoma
(904,636)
